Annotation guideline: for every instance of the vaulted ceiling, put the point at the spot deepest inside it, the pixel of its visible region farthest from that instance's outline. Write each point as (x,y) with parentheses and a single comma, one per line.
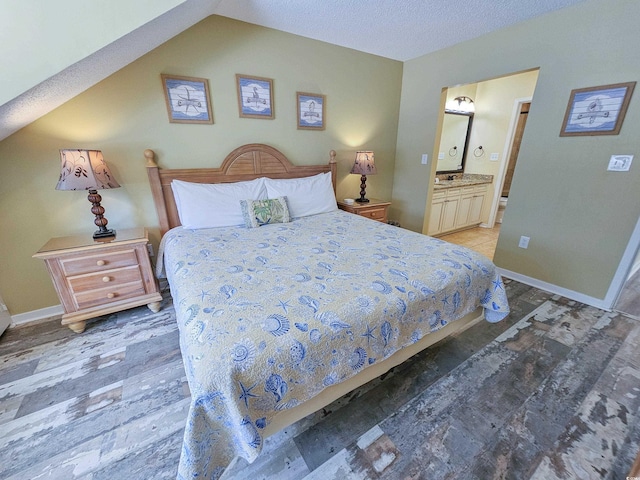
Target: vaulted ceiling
(395,29)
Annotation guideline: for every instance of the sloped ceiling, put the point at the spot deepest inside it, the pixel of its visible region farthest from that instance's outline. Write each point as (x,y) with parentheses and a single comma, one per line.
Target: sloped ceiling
(395,29)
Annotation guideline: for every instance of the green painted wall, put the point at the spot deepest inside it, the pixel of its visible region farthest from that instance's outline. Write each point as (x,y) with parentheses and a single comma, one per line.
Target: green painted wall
(126,113)
(62,33)
(579,216)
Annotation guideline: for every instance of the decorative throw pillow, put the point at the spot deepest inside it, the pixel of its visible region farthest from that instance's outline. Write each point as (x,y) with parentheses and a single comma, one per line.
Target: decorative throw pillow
(261,212)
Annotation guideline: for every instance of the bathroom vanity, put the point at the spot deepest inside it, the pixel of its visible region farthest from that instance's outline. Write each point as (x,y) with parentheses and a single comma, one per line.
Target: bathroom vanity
(457,204)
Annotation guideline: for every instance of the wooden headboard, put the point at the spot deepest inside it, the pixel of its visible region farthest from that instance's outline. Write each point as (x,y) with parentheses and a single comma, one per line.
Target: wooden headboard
(248,162)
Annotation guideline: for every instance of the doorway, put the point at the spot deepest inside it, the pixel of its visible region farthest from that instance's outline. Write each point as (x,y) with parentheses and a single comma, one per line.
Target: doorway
(5,318)
(521,122)
(629,300)
(627,296)
(501,111)
(484,238)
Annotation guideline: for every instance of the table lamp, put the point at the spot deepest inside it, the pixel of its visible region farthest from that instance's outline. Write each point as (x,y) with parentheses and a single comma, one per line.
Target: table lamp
(363,166)
(87,170)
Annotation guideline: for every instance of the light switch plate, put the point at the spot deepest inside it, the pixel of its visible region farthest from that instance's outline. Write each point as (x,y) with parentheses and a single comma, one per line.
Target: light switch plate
(620,163)
(440,155)
(425,159)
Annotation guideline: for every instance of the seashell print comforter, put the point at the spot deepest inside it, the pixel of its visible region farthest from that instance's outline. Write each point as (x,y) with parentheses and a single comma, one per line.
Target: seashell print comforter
(270,316)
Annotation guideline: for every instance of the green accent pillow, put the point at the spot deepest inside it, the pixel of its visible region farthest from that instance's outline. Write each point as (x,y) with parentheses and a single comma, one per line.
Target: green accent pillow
(262,212)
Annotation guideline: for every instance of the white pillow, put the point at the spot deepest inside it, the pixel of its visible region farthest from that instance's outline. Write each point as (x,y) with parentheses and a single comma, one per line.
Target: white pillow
(206,205)
(305,196)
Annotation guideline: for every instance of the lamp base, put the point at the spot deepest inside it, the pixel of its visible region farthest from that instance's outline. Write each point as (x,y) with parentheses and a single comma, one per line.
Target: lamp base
(100,221)
(363,190)
(104,233)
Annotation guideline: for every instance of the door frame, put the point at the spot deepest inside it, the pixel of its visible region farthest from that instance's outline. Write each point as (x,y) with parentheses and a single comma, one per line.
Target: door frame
(624,268)
(502,171)
(5,316)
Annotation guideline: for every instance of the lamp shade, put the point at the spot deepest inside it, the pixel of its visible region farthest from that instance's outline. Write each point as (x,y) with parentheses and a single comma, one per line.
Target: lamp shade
(84,170)
(364,164)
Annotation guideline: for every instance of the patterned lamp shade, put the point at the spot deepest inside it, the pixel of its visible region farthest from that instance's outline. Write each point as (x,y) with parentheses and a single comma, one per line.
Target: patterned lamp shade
(87,170)
(364,164)
(84,170)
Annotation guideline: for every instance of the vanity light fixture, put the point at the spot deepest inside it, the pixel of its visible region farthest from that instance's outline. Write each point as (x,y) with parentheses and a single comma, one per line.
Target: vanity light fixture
(87,170)
(462,104)
(364,165)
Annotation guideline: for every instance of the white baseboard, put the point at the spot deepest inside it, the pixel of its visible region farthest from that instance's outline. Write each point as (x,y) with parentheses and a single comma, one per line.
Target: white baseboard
(549,287)
(36,316)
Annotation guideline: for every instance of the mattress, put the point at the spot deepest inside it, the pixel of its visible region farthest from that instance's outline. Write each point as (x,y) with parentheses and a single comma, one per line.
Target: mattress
(271,316)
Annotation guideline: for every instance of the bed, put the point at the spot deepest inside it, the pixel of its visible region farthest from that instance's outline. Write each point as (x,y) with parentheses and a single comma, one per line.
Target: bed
(281,318)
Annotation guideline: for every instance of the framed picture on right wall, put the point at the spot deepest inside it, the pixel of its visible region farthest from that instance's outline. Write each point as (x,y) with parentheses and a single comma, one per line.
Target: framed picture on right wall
(597,110)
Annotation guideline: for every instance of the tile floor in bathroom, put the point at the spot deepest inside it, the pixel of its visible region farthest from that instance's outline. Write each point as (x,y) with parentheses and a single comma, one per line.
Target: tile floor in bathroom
(482,240)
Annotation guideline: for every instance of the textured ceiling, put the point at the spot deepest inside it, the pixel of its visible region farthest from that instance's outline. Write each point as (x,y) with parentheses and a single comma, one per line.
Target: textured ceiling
(396,29)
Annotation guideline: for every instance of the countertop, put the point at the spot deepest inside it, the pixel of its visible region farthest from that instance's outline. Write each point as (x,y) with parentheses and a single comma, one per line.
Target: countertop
(467,179)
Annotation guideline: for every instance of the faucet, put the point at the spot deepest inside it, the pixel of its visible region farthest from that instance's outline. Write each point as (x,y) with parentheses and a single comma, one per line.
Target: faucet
(451,177)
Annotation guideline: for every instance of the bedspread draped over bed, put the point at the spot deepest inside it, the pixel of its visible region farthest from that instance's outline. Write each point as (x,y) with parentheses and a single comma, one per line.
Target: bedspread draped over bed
(270,316)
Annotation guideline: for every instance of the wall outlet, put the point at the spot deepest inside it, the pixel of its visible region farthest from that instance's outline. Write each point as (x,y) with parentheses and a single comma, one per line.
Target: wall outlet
(441,156)
(524,242)
(494,157)
(150,249)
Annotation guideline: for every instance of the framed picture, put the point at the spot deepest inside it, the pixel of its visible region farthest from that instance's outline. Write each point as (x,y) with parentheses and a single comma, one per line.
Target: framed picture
(311,108)
(597,110)
(188,99)
(255,97)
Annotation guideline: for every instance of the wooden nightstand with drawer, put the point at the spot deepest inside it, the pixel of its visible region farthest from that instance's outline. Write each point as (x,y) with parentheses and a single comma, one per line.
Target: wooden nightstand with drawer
(98,277)
(374,209)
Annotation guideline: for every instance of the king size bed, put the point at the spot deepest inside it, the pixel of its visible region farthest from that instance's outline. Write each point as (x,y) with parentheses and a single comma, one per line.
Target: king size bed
(285,303)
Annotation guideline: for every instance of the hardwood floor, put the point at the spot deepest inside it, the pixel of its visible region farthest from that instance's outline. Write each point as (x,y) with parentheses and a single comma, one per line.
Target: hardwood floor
(553,391)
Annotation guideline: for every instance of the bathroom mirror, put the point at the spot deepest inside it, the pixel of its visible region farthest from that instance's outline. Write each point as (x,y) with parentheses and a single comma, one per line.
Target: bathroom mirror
(456,128)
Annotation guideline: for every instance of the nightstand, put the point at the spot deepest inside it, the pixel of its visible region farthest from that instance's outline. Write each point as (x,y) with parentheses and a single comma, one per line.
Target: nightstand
(374,209)
(98,277)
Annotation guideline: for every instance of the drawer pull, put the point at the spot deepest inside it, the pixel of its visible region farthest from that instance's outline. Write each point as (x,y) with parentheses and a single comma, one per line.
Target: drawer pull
(373,214)
(101,263)
(111,295)
(106,279)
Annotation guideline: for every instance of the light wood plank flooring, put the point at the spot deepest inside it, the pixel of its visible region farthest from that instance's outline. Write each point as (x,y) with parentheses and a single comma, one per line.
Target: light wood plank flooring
(551,392)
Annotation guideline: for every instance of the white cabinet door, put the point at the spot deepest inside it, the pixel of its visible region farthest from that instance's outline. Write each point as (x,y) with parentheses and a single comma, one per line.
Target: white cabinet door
(449,213)
(462,218)
(436,216)
(475,210)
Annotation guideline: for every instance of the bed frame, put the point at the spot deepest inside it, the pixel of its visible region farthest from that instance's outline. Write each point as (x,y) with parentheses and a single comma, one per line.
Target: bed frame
(257,160)
(248,162)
